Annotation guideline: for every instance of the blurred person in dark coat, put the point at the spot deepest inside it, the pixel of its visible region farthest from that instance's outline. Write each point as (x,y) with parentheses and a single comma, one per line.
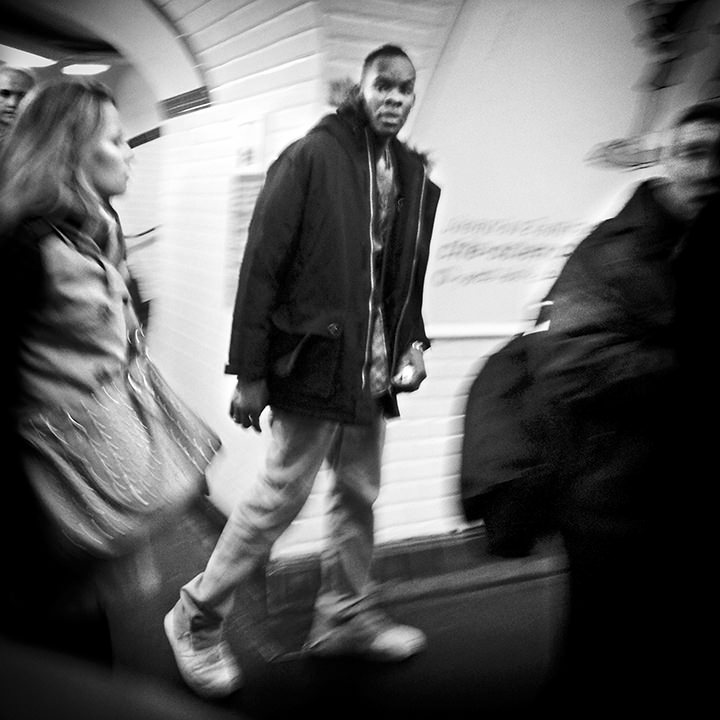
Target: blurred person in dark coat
(607,376)
(696,510)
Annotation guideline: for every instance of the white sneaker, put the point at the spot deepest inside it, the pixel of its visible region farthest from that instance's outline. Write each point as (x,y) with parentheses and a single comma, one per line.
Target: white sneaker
(397,642)
(371,635)
(210,670)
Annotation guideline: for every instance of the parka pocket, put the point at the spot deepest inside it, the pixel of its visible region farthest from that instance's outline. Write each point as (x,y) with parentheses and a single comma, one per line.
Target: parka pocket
(307,363)
(284,365)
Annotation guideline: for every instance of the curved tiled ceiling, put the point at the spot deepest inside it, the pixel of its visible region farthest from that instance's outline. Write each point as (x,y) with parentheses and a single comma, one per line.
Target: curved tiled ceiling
(26,27)
(132,32)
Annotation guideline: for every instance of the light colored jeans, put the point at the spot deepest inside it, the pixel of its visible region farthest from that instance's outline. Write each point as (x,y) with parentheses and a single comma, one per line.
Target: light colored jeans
(298,446)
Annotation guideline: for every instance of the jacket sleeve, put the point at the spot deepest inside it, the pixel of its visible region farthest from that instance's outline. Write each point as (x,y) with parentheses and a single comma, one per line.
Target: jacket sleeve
(603,366)
(610,337)
(272,236)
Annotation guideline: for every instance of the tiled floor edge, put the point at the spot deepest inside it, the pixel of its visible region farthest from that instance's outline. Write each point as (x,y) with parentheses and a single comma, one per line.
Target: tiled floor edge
(414,567)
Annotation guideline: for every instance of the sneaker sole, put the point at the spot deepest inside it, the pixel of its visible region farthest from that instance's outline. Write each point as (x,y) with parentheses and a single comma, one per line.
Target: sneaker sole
(323,651)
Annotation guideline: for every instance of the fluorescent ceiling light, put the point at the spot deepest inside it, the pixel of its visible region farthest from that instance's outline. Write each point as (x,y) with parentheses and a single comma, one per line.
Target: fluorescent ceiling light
(13,56)
(85,69)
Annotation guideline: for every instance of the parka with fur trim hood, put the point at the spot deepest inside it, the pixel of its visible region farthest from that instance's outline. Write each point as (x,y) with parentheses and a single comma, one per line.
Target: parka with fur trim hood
(302,315)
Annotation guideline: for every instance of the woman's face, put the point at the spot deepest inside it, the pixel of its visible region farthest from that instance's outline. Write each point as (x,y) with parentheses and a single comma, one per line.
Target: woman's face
(107,161)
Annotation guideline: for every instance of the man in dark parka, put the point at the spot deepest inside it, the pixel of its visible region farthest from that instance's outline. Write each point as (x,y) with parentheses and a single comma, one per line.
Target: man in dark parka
(327,330)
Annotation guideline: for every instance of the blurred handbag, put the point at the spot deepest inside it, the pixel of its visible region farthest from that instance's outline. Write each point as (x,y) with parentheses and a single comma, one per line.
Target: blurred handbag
(112,472)
(505,477)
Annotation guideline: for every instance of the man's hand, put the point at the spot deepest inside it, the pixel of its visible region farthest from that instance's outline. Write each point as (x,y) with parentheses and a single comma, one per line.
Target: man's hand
(248,401)
(412,370)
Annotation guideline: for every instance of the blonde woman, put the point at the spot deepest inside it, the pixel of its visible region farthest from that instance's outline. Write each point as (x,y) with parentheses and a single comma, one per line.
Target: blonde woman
(103,453)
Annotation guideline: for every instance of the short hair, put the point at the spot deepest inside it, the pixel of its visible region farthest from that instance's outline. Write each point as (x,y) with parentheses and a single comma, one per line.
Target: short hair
(27,73)
(388,50)
(708,110)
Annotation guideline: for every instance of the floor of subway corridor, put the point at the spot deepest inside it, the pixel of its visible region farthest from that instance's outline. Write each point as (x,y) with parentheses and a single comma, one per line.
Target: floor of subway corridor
(491,630)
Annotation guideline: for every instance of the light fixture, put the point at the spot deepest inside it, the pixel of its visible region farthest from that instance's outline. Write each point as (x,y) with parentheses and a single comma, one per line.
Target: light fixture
(20,58)
(85,69)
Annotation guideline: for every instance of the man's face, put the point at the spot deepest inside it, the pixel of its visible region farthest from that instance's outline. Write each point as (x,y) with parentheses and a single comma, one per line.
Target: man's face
(13,88)
(388,92)
(692,166)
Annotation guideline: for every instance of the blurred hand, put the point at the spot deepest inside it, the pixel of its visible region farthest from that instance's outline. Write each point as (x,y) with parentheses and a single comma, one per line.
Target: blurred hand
(412,370)
(248,401)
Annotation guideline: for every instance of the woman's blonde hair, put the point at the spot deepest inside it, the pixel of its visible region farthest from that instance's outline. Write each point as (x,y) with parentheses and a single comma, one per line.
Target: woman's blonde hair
(41,159)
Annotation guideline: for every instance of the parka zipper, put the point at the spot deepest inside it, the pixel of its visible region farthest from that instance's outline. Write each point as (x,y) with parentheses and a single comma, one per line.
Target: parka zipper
(368,335)
(371,170)
(418,233)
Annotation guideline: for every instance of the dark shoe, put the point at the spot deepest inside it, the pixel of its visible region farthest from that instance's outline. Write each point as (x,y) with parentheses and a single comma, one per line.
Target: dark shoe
(371,635)
(208,668)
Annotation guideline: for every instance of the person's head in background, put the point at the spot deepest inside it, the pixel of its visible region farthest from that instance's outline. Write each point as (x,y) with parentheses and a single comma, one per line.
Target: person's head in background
(15,83)
(66,155)
(690,160)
